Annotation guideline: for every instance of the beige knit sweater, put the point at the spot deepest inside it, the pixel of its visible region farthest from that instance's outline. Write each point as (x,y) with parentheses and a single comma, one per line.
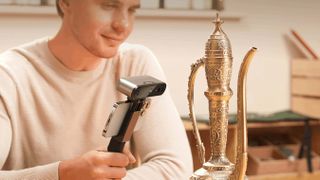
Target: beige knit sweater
(49,113)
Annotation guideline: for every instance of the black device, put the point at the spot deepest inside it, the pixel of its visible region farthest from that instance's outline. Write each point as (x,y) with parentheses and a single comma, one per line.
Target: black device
(141,87)
(125,114)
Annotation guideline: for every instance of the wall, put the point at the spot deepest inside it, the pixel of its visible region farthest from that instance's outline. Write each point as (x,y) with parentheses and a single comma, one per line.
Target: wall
(180,42)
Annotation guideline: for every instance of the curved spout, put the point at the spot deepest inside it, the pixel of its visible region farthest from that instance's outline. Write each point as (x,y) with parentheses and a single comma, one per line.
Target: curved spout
(242,141)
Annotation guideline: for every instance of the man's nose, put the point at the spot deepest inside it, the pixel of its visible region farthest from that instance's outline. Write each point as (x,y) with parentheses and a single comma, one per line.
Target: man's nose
(120,21)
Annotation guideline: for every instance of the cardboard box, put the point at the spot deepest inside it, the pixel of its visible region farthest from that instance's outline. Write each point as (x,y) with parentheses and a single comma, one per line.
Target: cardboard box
(270,160)
(305,87)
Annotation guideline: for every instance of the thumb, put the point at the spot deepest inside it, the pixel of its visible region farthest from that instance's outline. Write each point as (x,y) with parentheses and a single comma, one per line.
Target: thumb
(127,152)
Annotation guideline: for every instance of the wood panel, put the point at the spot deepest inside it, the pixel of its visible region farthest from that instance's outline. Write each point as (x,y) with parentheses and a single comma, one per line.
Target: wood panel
(305,86)
(305,68)
(306,106)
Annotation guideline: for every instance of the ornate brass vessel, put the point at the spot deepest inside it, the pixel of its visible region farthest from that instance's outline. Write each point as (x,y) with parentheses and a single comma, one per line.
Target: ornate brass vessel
(218,66)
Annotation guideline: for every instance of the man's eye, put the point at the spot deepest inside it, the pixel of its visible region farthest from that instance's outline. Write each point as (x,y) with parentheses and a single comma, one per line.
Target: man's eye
(132,10)
(110,6)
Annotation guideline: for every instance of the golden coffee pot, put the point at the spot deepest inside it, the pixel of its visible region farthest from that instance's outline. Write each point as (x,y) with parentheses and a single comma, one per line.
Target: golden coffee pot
(218,67)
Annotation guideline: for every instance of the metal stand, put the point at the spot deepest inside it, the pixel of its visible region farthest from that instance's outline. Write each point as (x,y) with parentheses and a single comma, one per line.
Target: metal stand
(305,148)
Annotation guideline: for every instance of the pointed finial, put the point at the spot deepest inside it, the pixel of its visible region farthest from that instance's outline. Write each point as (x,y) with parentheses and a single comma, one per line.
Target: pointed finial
(218,21)
(217,17)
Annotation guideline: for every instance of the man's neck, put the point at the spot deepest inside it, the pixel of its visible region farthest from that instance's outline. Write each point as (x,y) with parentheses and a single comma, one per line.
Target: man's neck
(71,54)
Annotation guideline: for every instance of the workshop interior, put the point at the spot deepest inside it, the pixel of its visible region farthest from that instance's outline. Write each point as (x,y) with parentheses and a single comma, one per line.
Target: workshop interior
(243,75)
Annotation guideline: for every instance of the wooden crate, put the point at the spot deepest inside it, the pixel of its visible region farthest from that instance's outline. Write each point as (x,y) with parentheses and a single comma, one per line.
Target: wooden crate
(305,87)
(263,160)
(269,160)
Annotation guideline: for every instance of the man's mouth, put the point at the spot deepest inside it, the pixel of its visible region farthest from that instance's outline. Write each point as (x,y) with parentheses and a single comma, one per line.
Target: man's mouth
(112,39)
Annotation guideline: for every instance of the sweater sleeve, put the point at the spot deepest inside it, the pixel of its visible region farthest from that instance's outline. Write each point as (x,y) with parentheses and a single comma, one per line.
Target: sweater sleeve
(161,142)
(5,134)
(44,172)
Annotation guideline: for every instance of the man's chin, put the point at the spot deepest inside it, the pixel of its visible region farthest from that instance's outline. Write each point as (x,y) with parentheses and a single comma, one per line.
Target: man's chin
(108,53)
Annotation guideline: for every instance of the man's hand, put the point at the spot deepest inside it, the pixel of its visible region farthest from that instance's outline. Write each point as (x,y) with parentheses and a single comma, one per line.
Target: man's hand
(96,165)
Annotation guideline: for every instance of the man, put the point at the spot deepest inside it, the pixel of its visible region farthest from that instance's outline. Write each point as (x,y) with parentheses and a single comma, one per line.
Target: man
(56,94)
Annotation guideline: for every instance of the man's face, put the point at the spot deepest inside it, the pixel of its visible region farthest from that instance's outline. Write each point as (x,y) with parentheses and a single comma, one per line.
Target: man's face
(100,26)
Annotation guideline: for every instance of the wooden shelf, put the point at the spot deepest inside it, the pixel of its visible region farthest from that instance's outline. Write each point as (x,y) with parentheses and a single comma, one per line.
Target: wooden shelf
(186,14)
(141,13)
(27,10)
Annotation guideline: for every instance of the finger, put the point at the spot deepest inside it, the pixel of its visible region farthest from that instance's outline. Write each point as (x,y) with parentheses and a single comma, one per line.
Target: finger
(132,159)
(110,172)
(112,159)
(127,152)
(102,148)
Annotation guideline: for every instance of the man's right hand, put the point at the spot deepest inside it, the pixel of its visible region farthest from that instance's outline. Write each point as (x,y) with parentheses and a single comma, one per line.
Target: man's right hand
(95,165)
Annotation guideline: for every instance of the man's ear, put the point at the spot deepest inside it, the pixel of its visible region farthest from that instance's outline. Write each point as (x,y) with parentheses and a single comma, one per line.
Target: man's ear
(64,5)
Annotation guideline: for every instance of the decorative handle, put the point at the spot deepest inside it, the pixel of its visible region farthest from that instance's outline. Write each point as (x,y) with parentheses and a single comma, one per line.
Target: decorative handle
(199,144)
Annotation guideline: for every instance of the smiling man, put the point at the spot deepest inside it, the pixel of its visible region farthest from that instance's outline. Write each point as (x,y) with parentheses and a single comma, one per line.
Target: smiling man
(56,94)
